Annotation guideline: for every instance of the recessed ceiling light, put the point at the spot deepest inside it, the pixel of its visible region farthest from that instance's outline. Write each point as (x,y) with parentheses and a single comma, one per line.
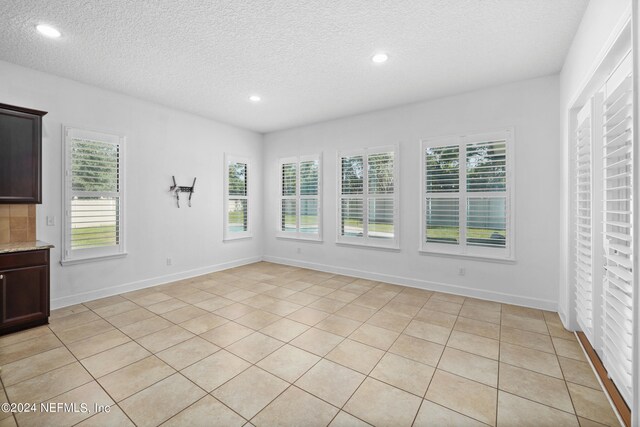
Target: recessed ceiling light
(255,98)
(48,31)
(379,58)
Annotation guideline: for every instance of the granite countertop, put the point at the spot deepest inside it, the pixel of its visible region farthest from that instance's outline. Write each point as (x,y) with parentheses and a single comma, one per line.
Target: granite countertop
(6,248)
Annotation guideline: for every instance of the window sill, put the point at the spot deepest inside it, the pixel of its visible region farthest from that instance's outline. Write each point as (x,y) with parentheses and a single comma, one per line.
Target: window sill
(75,261)
(235,238)
(300,239)
(370,246)
(468,256)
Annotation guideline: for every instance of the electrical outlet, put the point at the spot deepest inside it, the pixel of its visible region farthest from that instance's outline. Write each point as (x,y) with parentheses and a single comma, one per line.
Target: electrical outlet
(51,221)
(462,271)
(169,261)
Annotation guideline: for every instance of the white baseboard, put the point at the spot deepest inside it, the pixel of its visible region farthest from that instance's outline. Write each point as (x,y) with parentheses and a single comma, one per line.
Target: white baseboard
(422,284)
(146,283)
(398,280)
(563,317)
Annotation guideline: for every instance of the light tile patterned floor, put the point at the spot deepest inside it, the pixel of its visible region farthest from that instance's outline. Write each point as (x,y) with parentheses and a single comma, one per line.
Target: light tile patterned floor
(276,345)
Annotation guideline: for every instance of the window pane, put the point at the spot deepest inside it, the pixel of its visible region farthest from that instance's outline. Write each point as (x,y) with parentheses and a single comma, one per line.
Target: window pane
(352,174)
(94,166)
(443,220)
(380,170)
(309,216)
(443,169)
(237,179)
(237,211)
(487,166)
(95,222)
(352,218)
(380,223)
(487,221)
(309,178)
(288,220)
(289,179)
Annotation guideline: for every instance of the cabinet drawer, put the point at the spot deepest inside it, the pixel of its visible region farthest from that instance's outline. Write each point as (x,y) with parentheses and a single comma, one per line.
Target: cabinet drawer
(24,259)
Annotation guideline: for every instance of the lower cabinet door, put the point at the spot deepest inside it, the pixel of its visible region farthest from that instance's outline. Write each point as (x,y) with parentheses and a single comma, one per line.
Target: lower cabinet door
(24,295)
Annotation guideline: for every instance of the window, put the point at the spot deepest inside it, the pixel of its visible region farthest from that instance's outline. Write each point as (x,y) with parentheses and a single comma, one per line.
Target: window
(93,195)
(236,190)
(466,198)
(300,208)
(368,200)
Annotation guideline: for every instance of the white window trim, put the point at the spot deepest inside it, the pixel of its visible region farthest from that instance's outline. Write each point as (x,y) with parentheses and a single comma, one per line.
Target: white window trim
(298,235)
(70,257)
(461,250)
(237,235)
(365,241)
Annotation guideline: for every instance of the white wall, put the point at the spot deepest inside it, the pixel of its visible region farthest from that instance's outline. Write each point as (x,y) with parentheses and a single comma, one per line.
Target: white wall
(160,142)
(529,106)
(596,29)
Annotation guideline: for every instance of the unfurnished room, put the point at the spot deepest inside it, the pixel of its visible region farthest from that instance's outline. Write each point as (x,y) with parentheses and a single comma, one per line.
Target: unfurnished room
(319,213)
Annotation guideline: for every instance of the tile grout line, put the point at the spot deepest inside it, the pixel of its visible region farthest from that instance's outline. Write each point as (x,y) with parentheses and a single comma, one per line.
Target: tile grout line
(385,353)
(4,390)
(497,388)
(175,370)
(380,309)
(431,380)
(564,378)
(424,396)
(92,377)
(152,354)
(321,358)
(370,289)
(341,409)
(292,384)
(310,368)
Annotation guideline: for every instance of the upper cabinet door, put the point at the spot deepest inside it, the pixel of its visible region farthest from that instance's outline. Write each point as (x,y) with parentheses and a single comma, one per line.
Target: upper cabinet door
(20,155)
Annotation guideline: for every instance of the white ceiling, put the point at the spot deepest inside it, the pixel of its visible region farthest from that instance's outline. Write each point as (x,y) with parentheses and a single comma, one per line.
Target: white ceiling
(308,60)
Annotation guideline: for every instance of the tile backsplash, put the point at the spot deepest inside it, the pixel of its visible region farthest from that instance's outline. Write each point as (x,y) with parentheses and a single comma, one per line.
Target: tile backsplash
(17,223)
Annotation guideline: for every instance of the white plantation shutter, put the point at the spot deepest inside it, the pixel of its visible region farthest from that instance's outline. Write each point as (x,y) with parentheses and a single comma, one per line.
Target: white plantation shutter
(300,197)
(618,224)
(352,196)
(381,192)
(309,188)
(442,175)
(289,192)
(486,176)
(236,182)
(368,199)
(466,204)
(584,220)
(93,194)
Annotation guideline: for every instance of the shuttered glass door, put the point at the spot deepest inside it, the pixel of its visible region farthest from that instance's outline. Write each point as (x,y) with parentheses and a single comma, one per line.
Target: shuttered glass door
(604,221)
(618,223)
(584,220)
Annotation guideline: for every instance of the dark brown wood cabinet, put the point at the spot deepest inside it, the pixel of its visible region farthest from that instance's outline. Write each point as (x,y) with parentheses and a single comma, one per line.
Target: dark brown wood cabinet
(24,290)
(20,155)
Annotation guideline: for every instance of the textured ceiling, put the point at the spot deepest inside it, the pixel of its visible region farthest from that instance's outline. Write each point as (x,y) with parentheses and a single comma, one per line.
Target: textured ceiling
(309,60)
